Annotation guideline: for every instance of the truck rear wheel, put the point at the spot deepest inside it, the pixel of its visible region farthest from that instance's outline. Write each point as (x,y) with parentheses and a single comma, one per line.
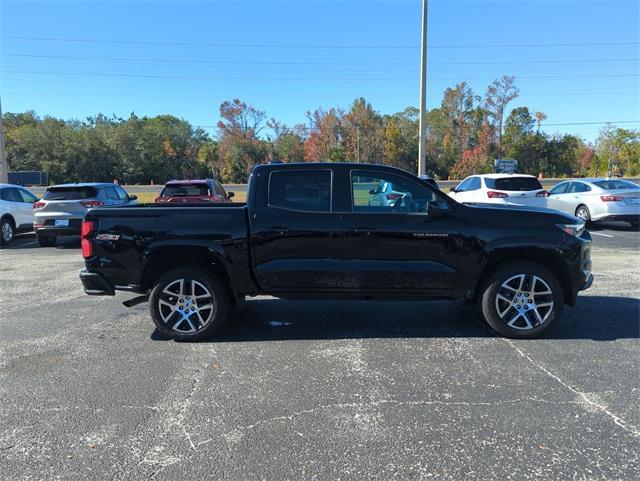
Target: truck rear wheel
(189,304)
(521,299)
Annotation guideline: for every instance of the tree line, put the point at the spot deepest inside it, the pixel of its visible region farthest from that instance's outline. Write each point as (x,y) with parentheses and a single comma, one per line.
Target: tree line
(465,134)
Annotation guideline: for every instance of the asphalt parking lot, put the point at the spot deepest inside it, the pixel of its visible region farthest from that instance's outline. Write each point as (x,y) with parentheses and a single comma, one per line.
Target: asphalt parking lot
(315,390)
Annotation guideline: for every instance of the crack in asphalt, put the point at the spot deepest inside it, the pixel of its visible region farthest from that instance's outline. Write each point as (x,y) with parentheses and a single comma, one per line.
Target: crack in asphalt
(617,420)
(360,405)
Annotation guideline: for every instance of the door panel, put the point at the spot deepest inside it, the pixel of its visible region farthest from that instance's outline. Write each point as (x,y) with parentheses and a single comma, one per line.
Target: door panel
(399,247)
(296,249)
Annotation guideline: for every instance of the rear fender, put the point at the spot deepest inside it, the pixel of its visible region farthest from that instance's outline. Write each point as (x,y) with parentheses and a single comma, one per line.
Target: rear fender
(168,254)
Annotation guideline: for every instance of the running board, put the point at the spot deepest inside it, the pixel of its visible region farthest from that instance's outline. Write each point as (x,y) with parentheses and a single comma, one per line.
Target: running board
(135,301)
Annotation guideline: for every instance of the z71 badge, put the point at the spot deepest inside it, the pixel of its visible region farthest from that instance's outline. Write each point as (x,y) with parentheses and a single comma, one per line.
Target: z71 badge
(108,237)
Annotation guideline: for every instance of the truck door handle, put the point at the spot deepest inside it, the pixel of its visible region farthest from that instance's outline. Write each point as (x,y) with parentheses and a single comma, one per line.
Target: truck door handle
(364,230)
(278,229)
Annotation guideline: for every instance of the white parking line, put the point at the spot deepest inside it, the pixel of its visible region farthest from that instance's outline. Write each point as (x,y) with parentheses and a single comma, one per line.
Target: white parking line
(598,233)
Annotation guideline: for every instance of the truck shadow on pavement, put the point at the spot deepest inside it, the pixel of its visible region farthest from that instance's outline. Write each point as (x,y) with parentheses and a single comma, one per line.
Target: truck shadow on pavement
(599,318)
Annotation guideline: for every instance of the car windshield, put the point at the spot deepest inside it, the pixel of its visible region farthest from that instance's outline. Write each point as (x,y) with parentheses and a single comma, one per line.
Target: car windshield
(70,193)
(195,190)
(616,184)
(513,183)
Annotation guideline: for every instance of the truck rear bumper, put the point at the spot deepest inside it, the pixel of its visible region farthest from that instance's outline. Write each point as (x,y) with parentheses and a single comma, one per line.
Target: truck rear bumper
(95,284)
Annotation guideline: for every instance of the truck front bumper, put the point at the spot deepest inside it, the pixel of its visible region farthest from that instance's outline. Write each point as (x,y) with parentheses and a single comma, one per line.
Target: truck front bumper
(95,284)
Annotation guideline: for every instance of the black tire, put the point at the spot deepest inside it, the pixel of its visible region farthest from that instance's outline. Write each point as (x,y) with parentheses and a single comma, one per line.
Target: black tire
(46,240)
(514,303)
(7,231)
(169,309)
(582,212)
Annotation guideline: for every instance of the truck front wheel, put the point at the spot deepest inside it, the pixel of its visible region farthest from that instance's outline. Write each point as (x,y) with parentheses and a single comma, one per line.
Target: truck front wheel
(521,299)
(189,304)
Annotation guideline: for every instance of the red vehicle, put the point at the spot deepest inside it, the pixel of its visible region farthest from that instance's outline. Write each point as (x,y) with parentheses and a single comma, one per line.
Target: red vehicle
(206,190)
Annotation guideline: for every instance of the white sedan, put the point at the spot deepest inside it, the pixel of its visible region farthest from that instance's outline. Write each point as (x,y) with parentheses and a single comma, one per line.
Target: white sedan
(600,199)
(16,211)
(508,189)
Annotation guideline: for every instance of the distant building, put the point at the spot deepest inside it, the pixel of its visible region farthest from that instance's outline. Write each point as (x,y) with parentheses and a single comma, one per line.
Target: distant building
(29,177)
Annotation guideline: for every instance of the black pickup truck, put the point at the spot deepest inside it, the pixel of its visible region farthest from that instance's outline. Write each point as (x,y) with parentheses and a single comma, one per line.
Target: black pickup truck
(337,231)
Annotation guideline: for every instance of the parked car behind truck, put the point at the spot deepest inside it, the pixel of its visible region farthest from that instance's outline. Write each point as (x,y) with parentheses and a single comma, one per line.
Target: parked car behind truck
(16,211)
(206,190)
(62,208)
(598,199)
(308,231)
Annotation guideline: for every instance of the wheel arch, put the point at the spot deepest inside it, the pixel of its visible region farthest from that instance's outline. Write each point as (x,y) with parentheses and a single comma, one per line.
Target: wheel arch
(10,217)
(548,258)
(163,259)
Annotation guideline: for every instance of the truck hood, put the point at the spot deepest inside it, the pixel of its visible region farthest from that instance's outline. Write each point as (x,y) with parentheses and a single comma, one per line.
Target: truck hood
(524,211)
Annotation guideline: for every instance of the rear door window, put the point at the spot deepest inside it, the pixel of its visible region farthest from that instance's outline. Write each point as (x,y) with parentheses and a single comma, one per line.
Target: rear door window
(297,190)
(70,193)
(577,187)
(514,184)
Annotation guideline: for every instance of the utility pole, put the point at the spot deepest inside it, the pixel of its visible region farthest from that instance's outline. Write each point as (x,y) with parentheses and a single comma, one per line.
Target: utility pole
(422,145)
(4,177)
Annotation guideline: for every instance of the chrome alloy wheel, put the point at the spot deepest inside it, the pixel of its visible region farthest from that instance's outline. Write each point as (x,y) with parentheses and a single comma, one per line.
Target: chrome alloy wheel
(524,301)
(186,305)
(583,214)
(7,232)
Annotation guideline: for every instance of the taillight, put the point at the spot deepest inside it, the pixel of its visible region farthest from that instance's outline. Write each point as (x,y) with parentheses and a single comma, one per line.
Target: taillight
(92,203)
(394,196)
(88,227)
(157,200)
(39,204)
(543,193)
(611,198)
(492,194)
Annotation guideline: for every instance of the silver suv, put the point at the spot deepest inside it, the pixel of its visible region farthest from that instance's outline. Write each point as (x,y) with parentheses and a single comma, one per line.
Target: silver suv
(62,208)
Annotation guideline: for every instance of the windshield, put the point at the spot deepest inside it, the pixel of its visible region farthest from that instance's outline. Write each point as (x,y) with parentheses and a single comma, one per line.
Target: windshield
(513,183)
(190,190)
(616,184)
(70,193)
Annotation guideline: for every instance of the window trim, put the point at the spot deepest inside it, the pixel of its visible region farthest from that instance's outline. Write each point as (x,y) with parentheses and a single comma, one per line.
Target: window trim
(271,206)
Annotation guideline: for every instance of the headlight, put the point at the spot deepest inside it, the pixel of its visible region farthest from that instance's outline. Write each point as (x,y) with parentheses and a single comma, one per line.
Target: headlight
(574,230)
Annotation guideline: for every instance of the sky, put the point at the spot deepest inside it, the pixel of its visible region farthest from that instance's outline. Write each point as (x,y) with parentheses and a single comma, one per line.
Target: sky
(577,61)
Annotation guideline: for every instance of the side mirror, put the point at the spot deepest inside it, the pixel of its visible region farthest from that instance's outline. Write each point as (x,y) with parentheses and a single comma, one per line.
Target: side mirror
(453,189)
(372,191)
(438,208)
(230,195)
(133,197)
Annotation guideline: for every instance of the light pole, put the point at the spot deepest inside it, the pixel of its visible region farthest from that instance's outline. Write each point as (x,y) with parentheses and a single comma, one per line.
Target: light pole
(4,176)
(422,145)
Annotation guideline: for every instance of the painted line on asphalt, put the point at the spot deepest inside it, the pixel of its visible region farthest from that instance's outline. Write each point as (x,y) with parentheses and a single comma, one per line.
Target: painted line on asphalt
(598,233)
